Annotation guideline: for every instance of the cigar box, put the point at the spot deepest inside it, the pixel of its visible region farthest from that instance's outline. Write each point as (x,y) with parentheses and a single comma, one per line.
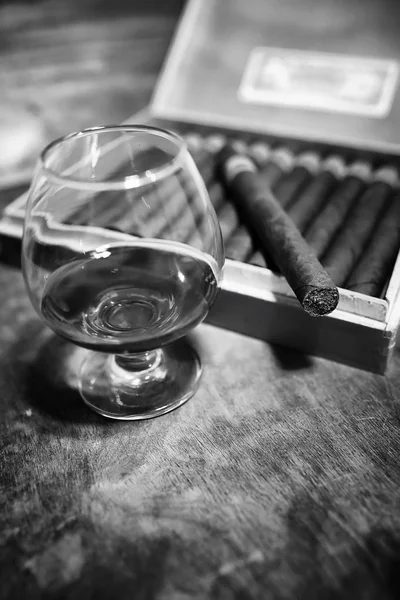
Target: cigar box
(267,72)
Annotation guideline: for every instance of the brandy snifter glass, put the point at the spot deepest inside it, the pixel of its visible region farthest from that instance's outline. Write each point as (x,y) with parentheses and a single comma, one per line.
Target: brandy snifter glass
(122,254)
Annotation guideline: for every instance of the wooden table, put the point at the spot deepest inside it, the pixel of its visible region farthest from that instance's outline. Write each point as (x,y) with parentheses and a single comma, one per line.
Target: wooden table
(279,479)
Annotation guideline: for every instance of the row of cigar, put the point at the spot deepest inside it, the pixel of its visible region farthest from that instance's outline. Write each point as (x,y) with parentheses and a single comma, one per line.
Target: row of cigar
(348,213)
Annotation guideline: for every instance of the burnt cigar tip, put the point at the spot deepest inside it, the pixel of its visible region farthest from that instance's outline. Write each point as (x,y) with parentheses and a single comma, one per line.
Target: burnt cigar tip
(320,301)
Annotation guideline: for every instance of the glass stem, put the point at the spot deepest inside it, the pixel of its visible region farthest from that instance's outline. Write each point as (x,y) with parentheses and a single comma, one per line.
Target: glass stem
(138,361)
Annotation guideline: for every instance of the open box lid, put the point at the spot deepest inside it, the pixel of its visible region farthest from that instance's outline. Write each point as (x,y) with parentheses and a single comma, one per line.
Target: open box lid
(319,70)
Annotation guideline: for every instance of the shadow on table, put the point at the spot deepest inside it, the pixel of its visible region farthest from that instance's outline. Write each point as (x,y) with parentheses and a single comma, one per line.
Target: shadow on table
(10,252)
(291,360)
(52,381)
(367,563)
(53,378)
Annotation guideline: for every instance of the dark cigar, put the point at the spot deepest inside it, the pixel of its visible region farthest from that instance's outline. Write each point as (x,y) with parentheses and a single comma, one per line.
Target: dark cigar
(132,217)
(258,259)
(260,153)
(214,142)
(177,223)
(179,196)
(125,210)
(178,202)
(188,216)
(203,153)
(291,184)
(273,165)
(348,246)
(200,236)
(191,226)
(238,242)
(216,194)
(228,220)
(146,211)
(309,201)
(156,207)
(376,263)
(312,199)
(277,233)
(239,245)
(279,163)
(324,227)
(239,146)
(103,207)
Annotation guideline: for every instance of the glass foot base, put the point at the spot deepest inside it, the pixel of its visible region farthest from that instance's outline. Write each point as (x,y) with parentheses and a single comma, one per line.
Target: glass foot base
(142,386)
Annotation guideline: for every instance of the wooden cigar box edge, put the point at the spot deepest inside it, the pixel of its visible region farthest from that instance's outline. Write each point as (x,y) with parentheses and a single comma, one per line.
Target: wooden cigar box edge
(393,298)
(259,281)
(340,337)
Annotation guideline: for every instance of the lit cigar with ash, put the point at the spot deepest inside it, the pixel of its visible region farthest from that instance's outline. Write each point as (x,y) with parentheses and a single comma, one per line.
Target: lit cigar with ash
(276,232)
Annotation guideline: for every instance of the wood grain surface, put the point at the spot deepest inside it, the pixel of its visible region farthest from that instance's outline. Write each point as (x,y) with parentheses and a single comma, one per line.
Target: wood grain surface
(279,480)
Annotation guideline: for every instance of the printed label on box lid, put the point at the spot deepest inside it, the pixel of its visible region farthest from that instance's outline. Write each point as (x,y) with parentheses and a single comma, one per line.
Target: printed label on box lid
(233,65)
(319,81)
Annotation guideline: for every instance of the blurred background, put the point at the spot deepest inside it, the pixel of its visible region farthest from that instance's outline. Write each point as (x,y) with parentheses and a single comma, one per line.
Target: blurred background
(66,65)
